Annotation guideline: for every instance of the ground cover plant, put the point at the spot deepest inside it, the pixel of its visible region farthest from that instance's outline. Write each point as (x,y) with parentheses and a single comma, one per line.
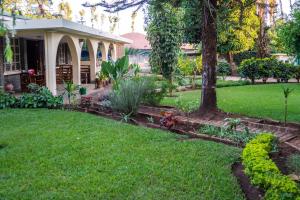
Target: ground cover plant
(264,101)
(54,154)
(239,137)
(263,171)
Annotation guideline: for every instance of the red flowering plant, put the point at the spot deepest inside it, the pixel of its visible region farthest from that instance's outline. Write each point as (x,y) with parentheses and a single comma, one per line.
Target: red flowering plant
(168,120)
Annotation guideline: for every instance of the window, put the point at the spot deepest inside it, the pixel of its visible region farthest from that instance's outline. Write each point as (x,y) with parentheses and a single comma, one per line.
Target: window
(63,54)
(15,46)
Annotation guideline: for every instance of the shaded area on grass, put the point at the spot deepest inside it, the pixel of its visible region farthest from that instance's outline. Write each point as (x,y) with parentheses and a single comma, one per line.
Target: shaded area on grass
(56,154)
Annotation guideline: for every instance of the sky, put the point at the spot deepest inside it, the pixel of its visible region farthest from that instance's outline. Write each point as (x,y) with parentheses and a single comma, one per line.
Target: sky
(124,25)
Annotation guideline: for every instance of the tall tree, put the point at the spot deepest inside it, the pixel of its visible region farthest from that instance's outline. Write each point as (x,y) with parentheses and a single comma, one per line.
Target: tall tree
(289,34)
(164,32)
(209,56)
(235,35)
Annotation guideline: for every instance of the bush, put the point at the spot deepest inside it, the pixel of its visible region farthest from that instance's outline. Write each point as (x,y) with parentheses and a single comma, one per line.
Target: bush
(297,73)
(249,69)
(133,92)
(221,84)
(265,67)
(154,93)
(40,97)
(264,172)
(235,136)
(283,71)
(7,100)
(130,94)
(240,57)
(223,69)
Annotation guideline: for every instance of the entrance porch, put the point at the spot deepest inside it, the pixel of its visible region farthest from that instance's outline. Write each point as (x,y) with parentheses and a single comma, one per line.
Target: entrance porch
(54,52)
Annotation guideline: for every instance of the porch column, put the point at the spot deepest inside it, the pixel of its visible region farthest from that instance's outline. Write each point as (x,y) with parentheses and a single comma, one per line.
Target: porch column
(93,47)
(76,57)
(50,61)
(106,49)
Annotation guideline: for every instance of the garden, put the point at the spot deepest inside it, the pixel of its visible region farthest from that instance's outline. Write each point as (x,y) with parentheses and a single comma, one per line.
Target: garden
(185,131)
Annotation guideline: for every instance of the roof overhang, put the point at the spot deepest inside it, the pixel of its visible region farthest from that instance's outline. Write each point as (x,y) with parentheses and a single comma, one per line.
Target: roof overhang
(61,25)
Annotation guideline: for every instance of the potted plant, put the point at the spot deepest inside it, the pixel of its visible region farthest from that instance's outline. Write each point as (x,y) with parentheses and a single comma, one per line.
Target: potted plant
(82,91)
(8,87)
(98,80)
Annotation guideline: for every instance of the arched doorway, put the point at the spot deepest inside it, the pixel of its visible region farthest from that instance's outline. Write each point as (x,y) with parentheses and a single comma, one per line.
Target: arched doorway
(65,59)
(111,53)
(86,60)
(100,54)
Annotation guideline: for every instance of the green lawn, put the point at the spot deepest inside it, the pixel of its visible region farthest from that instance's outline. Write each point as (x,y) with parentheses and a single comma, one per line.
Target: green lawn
(48,154)
(265,101)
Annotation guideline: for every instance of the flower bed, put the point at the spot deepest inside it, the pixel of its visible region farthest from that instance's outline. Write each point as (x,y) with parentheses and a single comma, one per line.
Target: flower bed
(263,171)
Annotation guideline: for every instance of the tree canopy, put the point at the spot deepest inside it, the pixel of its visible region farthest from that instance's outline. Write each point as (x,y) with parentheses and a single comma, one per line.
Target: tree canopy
(165,36)
(289,35)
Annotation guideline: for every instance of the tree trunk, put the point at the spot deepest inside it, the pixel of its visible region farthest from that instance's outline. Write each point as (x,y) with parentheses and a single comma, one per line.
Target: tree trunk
(209,61)
(1,71)
(229,58)
(281,9)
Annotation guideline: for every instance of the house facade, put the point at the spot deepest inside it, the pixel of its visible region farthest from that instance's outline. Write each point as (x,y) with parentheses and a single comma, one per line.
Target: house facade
(48,52)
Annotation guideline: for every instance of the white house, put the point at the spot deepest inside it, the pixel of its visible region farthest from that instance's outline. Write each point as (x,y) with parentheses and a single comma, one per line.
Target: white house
(56,50)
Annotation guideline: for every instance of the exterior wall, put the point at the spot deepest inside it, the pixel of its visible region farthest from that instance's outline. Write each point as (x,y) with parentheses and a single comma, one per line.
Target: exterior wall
(120,50)
(15,79)
(142,61)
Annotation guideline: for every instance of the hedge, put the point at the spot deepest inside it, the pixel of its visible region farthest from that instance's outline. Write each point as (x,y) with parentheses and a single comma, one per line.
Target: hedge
(264,173)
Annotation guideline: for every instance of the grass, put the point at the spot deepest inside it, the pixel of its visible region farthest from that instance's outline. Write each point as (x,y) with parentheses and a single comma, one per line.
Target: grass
(263,101)
(48,154)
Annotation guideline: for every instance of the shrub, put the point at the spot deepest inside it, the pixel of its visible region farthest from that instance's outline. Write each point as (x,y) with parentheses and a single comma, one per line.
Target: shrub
(223,69)
(297,73)
(153,93)
(132,92)
(116,71)
(249,69)
(40,97)
(265,67)
(236,136)
(264,172)
(283,71)
(221,84)
(7,100)
(190,67)
(240,57)
(128,96)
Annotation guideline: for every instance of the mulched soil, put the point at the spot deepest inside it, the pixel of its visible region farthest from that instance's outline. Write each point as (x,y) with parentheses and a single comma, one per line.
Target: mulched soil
(280,157)
(251,192)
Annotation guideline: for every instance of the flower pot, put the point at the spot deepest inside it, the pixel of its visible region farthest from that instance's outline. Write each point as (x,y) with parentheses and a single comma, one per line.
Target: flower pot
(9,87)
(83,91)
(98,83)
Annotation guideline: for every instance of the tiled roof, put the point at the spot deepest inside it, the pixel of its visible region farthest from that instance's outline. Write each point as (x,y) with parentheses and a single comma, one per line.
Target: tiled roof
(139,41)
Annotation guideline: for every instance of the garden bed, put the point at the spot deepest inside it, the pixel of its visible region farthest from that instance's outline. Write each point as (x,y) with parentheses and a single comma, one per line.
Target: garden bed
(251,192)
(279,158)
